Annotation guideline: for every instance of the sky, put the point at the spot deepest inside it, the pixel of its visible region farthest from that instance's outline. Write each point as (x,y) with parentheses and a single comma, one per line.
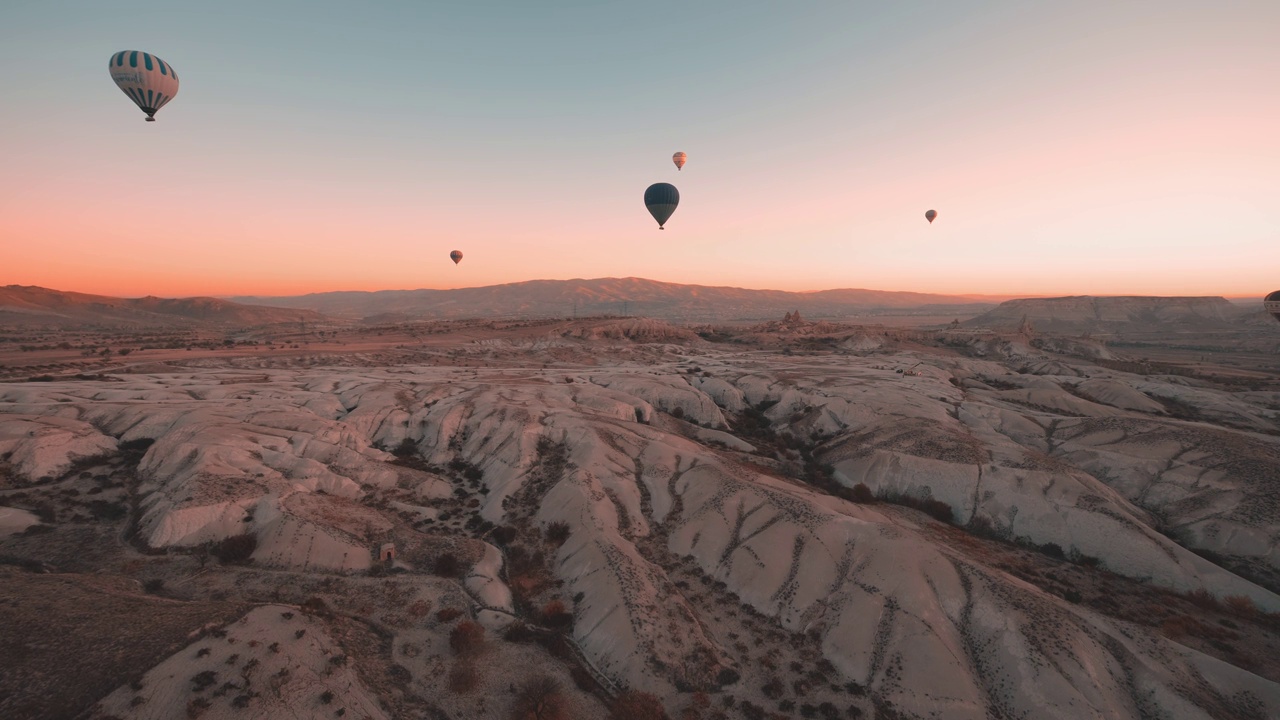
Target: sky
(1087,147)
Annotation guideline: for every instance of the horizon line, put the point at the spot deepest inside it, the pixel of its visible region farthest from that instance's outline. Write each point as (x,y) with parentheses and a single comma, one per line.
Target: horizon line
(977,297)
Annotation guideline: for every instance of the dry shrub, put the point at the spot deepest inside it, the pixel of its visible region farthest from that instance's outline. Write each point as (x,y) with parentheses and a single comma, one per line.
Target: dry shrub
(467,638)
(1203,599)
(583,679)
(982,526)
(540,699)
(236,549)
(938,510)
(1241,605)
(527,575)
(555,616)
(448,614)
(1179,626)
(448,565)
(558,646)
(420,609)
(196,707)
(463,678)
(557,532)
(517,632)
(774,689)
(634,705)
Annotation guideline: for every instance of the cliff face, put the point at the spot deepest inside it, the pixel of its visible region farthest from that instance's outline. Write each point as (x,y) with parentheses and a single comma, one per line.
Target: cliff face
(1087,313)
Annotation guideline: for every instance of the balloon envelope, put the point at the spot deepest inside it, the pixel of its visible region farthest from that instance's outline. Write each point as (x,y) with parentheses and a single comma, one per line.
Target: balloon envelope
(679,159)
(1272,304)
(930,215)
(456,256)
(148,81)
(661,199)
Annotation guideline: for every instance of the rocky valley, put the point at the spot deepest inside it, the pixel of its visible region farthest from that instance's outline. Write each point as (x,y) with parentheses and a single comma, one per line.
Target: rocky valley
(623,518)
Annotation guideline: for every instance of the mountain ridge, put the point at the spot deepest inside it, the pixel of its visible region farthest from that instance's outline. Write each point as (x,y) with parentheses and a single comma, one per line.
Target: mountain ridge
(1079,313)
(629,295)
(34,305)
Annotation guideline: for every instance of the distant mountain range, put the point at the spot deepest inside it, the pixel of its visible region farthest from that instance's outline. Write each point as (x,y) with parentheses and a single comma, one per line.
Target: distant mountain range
(631,296)
(1085,313)
(36,306)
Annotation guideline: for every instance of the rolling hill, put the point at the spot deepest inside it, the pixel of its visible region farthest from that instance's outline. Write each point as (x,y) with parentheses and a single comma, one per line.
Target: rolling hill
(1084,313)
(36,306)
(633,296)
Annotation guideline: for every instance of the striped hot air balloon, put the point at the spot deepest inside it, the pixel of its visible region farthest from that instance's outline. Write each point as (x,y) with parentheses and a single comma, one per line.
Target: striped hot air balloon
(456,256)
(661,199)
(146,79)
(1272,304)
(679,159)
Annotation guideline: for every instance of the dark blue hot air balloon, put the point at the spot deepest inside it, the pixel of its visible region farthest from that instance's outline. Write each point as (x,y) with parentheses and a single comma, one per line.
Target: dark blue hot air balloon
(661,199)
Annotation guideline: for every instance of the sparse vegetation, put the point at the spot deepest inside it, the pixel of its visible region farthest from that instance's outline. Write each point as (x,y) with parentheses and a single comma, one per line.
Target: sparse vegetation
(557,532)
(196,707)
(448,565)
(720,493)
(406,449)
(204,680)
(236,549)
(936,509)
(635,705)
(467,639)
(540,699)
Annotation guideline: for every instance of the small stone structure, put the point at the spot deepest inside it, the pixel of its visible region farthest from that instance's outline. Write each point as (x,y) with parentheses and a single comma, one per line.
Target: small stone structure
(387,553)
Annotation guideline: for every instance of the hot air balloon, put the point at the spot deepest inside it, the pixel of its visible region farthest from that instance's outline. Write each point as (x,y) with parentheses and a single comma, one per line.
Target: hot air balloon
(146,79)
(679,159)
(1272,304)
(661,199)
(456,256)
(930,215)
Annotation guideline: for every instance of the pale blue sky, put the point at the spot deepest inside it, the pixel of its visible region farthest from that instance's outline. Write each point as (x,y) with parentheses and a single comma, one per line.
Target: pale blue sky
(1068,146)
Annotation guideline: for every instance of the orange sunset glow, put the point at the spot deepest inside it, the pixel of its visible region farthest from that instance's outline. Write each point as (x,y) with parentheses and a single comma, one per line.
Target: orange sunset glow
(1082,149)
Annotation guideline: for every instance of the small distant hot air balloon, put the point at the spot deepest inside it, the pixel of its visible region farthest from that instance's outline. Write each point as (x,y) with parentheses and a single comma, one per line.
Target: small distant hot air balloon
(146,79)
(930,215)
(661,199)
(1272,304)
(456,256)
(679,159)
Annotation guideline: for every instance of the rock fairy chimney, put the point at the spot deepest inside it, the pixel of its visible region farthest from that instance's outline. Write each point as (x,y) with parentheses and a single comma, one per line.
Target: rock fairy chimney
(387,553)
